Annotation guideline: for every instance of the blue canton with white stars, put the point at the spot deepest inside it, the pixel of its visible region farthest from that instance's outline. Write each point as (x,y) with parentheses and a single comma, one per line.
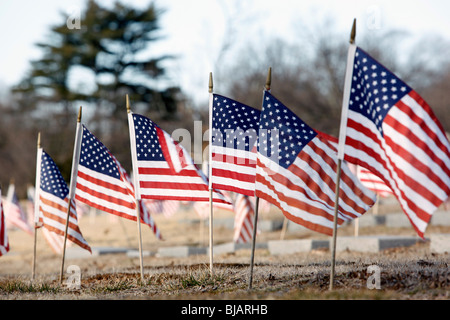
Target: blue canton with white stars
(234,125)
(95,156)
(51,179)
(375,90)
(282,135)
(147,142)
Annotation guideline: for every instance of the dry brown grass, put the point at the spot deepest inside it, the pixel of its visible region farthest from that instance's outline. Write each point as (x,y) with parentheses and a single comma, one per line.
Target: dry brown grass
(406,273)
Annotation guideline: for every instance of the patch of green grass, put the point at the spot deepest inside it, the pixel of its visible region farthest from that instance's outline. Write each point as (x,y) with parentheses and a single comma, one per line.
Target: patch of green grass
(17,286)
(201,279)
(190,281)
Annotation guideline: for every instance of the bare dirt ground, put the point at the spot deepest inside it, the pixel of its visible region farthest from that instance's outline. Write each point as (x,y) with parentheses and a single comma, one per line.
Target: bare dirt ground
(406,273)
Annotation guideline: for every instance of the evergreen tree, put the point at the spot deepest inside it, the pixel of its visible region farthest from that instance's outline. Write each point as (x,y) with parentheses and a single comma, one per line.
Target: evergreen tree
(113,47)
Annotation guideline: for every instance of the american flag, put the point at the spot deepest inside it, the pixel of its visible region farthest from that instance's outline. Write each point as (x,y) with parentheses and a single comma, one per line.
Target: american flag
(162,174)
(167,207)
(234,136)
(53,202)
(244,219)
(55,241)
(297,170)
(4,243)
(373,182)
(203,209)
(393,132)
(103,183)
(15,216)
(367,178)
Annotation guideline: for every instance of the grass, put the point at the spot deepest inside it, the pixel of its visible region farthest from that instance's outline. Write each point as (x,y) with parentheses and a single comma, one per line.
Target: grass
(17,286)
(411,279)
(116,286)
(201,279)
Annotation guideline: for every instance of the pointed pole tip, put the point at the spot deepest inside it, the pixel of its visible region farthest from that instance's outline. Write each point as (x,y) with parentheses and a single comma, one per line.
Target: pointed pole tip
(39,140)
(79,115)
(269,79)
(353,33)
(210,83)
(128,103)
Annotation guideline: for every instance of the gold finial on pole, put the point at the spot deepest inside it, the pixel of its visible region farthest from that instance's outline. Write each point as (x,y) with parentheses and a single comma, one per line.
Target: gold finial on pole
(128,104)
(210,82)
(269,79)
(79,115)
(353,33)
(39,140)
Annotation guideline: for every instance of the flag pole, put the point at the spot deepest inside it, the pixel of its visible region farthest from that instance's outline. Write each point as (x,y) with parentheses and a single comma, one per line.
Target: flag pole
(342,135)
(36,202)
(255,227)
(138,207)
(211,207)
(71,189)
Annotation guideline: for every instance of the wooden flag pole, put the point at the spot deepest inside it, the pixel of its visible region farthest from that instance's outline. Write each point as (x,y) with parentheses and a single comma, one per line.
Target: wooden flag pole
(211,207)
(340,157)
(284,228)
(36,201)
(255,223)
(138,212)
(333,247)
(33,267)
(252,258)
(69,203)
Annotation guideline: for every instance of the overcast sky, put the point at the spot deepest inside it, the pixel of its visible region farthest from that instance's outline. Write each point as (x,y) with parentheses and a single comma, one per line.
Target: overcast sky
(194,29)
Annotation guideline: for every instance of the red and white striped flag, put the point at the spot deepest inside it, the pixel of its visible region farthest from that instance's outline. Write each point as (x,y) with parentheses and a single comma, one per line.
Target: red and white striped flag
(161,174)
(373,182)
(391,131)
(297,171)
(55,241)
(166,207)
(4,242)
(14,214)
(203,209)
(367,178)
(244,219)
(53,202)
(145,214)
(234,133)
(102,183)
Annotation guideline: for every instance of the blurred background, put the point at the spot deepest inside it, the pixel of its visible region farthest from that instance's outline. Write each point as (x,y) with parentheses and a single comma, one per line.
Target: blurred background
(59,55)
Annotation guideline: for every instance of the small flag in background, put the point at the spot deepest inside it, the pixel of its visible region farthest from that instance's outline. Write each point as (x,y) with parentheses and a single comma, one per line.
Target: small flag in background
(4,243)
(234,136)
(54,240)
(167,207)
(157,176)
(297,171)
(53,203)
(393,132)
(244,219)
(14,214)
(373,182)
(102,182)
